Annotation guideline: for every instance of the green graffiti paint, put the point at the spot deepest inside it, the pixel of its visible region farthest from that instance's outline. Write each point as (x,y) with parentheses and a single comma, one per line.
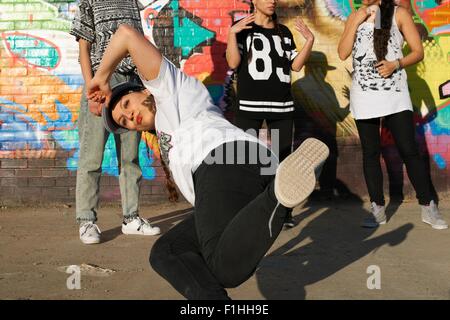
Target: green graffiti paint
(187,34)
(31,15)
(36,51)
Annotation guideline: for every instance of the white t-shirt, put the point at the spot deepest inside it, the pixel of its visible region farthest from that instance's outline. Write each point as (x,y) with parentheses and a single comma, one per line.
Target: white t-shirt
(188,124)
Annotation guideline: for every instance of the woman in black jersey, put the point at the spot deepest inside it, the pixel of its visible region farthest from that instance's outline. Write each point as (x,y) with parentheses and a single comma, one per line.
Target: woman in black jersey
(263,53)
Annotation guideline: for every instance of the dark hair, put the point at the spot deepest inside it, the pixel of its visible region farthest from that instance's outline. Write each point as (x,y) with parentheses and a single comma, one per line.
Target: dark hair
(381,36)
(149,102)
(170,184)
(277,27)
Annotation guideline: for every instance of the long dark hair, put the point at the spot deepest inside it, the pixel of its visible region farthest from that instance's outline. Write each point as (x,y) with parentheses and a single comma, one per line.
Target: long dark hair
(149,102)
(381,36)
(277,27)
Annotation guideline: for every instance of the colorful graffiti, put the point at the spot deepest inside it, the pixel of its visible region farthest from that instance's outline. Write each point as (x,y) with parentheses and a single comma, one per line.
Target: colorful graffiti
(41,83)
(329,102)
(197,32)
(434,14)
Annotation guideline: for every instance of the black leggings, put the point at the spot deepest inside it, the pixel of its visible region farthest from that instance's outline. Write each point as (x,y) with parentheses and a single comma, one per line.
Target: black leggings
(220,245)
(284,126)
(401,126)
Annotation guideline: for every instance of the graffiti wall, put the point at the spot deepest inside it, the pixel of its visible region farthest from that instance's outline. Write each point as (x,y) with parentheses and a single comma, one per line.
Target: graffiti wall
(41,84)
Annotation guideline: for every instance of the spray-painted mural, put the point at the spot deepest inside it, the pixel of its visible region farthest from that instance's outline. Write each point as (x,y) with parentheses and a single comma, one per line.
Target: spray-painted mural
(41,83)
(322,88)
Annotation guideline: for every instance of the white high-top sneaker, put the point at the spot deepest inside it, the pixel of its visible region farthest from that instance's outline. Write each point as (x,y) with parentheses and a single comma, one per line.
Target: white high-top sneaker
(431,215)
(378,217)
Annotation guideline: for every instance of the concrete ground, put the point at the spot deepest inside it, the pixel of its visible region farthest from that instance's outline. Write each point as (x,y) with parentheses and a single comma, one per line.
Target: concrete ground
(326,256)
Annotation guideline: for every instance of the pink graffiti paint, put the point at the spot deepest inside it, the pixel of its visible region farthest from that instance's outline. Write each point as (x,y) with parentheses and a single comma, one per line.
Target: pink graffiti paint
(444,90)
(149,17)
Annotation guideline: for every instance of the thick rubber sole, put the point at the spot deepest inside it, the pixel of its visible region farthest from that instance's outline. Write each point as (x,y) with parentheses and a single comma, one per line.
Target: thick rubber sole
(437,227)
(90,241)
(366,224)
(296,175)
(138,233)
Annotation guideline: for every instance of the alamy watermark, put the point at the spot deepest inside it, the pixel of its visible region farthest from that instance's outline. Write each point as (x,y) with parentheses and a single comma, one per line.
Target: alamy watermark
(237,147)
(74,280)
(374,280)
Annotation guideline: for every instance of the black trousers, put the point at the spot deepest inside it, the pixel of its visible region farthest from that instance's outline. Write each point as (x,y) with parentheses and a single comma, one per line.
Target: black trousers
(401,126)
(221,244)
(284,126)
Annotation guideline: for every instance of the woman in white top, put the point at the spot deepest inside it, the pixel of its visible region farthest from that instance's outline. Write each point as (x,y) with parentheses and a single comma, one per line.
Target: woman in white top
(227,175)
(374,36)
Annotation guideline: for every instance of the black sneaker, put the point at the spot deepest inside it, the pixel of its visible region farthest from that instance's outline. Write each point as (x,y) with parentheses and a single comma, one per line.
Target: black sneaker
(289,222)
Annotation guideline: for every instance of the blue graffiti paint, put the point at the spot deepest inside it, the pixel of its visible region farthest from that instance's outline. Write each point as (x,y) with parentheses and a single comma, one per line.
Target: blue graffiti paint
(440,161)
(216,92)
(7,103)
(63,120)
(440,125)
(426,4)
(74,81)
(19,131)
(339,8)
(68,140)
(146,162)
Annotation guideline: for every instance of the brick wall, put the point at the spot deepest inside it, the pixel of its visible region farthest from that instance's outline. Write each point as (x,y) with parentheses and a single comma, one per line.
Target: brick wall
(41,83)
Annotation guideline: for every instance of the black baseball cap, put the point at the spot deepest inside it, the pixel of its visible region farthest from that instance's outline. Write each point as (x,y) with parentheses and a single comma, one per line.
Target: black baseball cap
(118,91)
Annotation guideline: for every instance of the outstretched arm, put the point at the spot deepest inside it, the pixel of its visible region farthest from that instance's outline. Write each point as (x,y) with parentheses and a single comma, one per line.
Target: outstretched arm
(303,55)
(126,40)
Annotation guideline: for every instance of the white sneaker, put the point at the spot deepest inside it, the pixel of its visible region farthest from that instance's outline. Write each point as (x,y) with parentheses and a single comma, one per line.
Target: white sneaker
(296,175)
(89,233)
(431,215)
(139,226)
(377,217)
